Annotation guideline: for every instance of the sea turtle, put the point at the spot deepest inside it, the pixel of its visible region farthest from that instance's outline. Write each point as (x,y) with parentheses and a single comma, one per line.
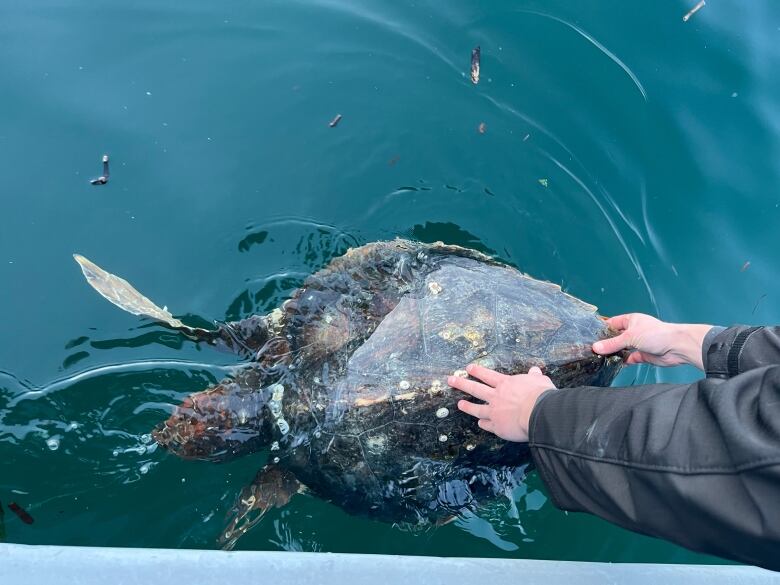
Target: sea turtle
(345,383)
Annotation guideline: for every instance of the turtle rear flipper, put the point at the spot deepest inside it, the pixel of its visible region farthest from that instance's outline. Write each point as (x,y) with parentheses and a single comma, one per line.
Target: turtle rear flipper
(272,487)
(246,336)
(124,295)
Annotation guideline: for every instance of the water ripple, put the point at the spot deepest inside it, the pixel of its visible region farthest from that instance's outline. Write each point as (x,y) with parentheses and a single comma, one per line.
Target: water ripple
(137,366)
(629,253)
(596,44)
(404,30)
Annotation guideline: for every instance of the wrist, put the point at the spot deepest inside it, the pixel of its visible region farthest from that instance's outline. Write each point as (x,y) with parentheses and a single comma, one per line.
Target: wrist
(688,343)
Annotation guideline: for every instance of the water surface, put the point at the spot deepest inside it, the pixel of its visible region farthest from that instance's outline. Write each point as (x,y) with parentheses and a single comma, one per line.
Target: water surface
(628,156)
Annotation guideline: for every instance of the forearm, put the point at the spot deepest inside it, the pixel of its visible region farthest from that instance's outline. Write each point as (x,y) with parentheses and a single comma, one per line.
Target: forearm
(695,464)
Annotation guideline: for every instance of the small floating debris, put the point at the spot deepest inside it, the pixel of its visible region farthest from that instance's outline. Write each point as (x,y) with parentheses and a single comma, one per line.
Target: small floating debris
(527,136)
(745,266)
(482,127)
(103,179)
(335,121)
(392,162)
(21,512)
(694,10)
(543,182)
(475,57)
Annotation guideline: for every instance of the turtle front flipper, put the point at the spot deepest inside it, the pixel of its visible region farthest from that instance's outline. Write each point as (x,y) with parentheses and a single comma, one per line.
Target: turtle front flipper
(246,337)
(272,487)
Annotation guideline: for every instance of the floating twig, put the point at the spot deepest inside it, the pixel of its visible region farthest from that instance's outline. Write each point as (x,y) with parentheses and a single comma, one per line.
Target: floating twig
(482,127)
(103,179)
(475,56)
(335,121)
(21,512)
(694,10)
(745,266)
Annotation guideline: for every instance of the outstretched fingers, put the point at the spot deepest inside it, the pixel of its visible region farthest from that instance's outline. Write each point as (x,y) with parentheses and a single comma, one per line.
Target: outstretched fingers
(476,389)
(613,344)
(481,411)
(487,375)
(486,425)
(619,322)
(636,358)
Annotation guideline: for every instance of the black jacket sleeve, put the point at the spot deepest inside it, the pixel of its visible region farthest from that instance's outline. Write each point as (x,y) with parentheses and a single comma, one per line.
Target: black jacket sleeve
(739,349)
(697,464)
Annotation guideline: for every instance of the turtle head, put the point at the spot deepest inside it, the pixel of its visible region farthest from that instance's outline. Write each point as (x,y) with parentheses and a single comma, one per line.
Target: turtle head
(218,424)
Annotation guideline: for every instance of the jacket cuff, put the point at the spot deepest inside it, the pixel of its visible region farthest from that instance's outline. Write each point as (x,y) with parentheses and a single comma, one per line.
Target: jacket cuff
(708,339)
(536,453)
(722,349)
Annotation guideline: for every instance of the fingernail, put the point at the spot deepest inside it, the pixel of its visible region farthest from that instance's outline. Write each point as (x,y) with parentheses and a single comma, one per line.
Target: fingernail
(598,347)
(469,368)
(450,380)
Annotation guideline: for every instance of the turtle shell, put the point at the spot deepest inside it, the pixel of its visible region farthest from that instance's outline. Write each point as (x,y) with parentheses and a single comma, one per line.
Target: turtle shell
(373,337)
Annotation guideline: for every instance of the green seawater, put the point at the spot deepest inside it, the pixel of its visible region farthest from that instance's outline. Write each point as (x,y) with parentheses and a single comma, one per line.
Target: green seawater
(657,140)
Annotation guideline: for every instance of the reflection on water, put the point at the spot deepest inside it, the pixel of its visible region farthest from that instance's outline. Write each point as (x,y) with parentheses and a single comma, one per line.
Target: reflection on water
(626,155)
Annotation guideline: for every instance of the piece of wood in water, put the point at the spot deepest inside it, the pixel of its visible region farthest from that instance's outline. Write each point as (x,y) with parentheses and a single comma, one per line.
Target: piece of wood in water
(103,179)
(694,10)
(335,121)
(21,512)
(475,58)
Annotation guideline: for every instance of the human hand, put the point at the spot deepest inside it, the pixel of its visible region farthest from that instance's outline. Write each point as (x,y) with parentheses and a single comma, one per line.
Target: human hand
(509,399)
(655,342)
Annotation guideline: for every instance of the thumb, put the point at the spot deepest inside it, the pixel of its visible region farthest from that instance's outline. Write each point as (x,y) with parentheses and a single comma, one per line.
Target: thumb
(612,345)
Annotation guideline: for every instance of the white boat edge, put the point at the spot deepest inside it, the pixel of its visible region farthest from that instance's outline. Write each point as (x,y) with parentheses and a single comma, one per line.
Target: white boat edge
(63,565)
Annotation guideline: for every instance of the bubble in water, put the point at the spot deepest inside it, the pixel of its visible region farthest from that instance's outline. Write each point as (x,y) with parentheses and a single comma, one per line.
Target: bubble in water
(53,443)
(146,438)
